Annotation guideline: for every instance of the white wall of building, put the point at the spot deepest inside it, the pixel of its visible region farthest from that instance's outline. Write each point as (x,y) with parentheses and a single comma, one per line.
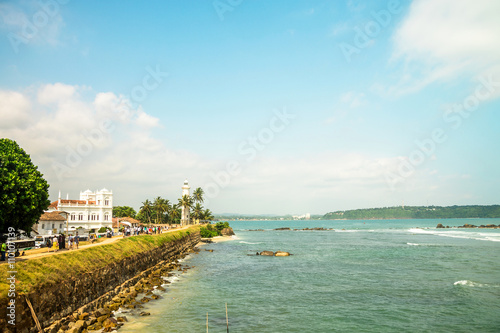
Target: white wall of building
(92,211)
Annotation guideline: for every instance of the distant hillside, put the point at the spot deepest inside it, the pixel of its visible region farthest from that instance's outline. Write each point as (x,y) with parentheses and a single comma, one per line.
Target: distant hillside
(416,212)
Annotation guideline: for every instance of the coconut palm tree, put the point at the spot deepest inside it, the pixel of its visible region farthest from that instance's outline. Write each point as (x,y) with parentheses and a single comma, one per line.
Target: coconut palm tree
(146,210)
(197,211)
(165,208)
(198,195)
(207,215)
(174,213)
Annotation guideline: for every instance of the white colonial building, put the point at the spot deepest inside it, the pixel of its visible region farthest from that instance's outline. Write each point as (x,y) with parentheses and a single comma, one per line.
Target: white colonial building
(93,211)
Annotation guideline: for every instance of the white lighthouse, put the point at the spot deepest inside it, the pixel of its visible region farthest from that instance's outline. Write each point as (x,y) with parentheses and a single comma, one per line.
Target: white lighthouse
(185,212)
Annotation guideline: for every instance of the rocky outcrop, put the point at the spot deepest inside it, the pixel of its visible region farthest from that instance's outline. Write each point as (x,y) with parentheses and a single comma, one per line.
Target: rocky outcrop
(274,254)
(471,226)
(58,300)
(227,232)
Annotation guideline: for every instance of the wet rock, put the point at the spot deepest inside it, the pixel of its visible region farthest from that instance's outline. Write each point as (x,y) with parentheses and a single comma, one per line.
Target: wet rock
(84,316)
(142,314)
(266,253)
(439,226)
(110,322)
(121,319)
(281,254)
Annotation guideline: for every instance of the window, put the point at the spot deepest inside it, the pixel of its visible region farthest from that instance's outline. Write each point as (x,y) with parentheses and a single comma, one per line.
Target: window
(80,217)
(53,225)
(73,216)
(43,226)
(60,226)
(106,217)
(93,217)
(106,202)
(98,202)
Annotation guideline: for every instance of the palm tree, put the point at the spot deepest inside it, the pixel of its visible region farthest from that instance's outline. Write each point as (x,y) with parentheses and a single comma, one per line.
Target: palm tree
(164,207)
(157,207)
(175,213)
(146,210)
(207,215)
(185,203)
(198,195)
(197,212)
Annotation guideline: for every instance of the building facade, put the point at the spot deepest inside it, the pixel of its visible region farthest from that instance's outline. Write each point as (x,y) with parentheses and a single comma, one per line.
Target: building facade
(92,211)
(50,223)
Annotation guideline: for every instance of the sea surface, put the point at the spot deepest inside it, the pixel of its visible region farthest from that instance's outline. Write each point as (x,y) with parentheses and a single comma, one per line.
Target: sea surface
(364,276)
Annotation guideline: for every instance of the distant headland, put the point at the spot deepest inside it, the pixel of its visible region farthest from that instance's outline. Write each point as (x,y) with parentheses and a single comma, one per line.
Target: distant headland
(416,212)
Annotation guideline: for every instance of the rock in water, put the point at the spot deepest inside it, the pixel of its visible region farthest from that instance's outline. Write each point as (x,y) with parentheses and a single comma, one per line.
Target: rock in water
(227,232)
(267,253)
(281,254)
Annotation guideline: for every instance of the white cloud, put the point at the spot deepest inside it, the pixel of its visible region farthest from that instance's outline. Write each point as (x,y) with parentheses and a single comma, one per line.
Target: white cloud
(146,121)
(96,142)
(14,109)
(443,40)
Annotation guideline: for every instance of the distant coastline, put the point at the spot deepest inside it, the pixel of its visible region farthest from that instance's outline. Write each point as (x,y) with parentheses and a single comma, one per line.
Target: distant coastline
(385,213)
(417,212)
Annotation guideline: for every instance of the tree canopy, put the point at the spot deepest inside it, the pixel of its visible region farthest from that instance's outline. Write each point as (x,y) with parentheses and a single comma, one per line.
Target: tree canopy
(124,211)
(24,192)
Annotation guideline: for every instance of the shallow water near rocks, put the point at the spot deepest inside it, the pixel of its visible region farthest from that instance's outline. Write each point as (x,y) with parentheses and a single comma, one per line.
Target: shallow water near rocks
(373,276)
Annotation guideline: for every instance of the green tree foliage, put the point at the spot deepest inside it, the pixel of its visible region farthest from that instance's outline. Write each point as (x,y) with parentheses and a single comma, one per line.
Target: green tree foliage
(124,211)
(24,192)
(145,212)
(211,230)
(417,212)
(198,195)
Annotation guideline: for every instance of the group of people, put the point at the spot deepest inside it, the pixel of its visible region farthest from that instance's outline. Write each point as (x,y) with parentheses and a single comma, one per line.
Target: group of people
(134,231)
(59,242)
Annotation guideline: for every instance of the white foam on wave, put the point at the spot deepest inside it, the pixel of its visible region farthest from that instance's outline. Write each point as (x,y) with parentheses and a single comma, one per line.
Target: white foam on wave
(453,233)
(413,244)
(243,242)
(468,283)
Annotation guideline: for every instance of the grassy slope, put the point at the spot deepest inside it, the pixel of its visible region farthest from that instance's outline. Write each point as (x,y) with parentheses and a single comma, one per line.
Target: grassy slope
(62,266)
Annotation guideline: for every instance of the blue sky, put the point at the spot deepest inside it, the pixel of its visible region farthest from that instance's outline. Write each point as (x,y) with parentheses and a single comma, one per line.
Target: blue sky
(270,106)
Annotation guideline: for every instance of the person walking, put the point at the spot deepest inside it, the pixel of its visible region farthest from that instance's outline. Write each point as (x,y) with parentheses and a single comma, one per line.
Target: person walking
(3,249)
(55,244)
(77,240)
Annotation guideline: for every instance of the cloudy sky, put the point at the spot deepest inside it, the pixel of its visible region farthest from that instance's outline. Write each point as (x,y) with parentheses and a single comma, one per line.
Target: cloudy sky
(270,106)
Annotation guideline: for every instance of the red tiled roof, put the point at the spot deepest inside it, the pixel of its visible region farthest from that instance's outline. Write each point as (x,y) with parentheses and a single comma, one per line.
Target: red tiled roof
(52,216)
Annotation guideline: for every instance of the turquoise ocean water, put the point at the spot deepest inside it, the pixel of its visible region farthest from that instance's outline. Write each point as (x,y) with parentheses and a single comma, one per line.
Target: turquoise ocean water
(366,276)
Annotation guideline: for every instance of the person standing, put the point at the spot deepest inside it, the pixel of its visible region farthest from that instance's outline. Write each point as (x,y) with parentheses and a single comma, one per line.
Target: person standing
(3,250)
(77,240)
(55,244)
